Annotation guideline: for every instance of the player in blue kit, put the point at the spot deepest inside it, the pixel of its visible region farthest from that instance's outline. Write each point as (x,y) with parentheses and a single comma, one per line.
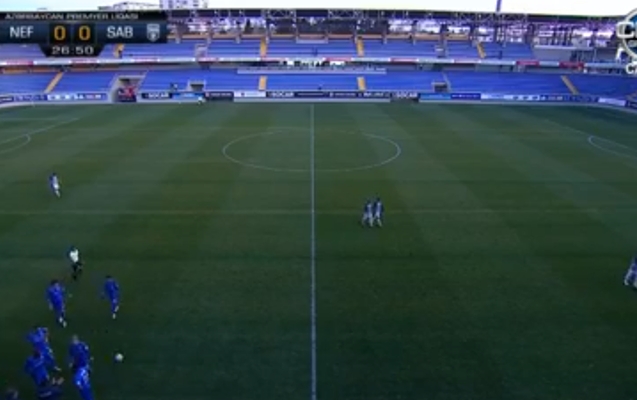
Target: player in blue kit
(35,367)
(54,184)
(55,294)
(39,339)
(79,354)
(111,292)
(379,210)
(82,381)
(630,279)
(368,214)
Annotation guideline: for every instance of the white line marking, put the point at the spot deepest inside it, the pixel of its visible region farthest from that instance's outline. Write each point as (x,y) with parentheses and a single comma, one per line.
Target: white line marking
(590,139)
(29,135)
(397,153)
(610,208)
(593,138)
(16,147)
(313,255)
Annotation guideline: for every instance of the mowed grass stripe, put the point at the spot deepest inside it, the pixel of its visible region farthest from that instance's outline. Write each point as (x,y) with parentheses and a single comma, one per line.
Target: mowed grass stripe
(236,313)
(442,237)
(260,288)
(149,255)
(599,192)
(611,169)
(497,276)
(549,255)
(42,238)
(370,282)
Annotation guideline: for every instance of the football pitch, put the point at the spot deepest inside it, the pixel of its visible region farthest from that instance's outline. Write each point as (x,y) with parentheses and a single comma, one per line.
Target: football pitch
(234,231)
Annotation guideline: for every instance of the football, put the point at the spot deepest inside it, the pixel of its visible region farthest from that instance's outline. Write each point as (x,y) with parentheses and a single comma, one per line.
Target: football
(119,357)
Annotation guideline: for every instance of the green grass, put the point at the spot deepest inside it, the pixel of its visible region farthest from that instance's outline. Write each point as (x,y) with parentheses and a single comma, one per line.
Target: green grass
(497,277)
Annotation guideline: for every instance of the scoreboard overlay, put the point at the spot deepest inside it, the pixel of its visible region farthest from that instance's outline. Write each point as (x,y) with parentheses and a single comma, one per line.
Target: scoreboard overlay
(82,34)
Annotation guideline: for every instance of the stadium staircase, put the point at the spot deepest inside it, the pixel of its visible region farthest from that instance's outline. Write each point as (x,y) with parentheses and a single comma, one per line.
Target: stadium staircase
(360,47)
(571,87)
(447,81)
(263,83)
(54,82)
(481,52)
(362,84)
(117,50)
(263,49)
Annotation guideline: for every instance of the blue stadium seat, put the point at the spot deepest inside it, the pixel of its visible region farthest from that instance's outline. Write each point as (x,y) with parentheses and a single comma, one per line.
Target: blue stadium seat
(408,80)
(312,82)
(213,79)
(86,81)
(400,48)
(495,82)
(25,83)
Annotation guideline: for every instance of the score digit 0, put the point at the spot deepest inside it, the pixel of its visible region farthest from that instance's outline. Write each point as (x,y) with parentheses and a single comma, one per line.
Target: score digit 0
(71,33)
(59,33)
(83,34)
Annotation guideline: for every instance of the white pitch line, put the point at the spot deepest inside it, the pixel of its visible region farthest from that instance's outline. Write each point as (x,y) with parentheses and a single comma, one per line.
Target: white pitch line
(29,134)
(313,389)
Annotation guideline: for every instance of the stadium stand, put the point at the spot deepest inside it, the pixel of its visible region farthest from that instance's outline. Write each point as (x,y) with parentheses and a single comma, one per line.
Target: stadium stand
(600,85)
(25,83)
(400,48)
(331,42)
(212,80)
(507,82)
(21,52)
(85,81)
(512,51)
(407,80)
(463,49)
(247,48)
(290,48)
(312,82)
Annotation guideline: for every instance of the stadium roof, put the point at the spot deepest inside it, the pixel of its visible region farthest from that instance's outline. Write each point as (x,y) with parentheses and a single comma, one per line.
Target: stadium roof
(547,7)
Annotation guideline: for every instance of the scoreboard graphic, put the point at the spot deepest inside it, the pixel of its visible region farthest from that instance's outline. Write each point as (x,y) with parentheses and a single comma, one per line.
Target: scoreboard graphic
(82,34)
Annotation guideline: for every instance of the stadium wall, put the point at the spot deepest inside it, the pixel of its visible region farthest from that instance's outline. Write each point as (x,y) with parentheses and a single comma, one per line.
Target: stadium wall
(320,96)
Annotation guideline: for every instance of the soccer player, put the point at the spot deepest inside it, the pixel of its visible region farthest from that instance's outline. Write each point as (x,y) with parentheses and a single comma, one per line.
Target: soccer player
(81,378)
(52,390)
(368,214)
(379,209)
(111,292)
(630,279)
(35,366)
(79,354)
(39,339)
(54,183)
(76,263)
(55,295)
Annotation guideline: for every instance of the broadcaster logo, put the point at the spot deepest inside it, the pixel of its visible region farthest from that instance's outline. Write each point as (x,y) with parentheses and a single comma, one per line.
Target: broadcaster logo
(626,31)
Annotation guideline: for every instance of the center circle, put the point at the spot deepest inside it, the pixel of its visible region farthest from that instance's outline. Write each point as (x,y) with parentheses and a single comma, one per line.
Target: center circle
(288,150)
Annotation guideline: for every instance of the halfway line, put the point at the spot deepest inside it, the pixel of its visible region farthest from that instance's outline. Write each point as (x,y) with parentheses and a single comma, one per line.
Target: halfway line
(312,257)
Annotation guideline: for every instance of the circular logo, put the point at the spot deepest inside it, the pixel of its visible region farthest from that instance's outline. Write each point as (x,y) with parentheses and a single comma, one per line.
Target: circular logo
(627,34)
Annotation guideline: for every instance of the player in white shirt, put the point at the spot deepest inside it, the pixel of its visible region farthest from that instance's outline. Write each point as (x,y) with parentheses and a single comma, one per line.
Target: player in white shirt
(76,263)
(54,183)
(368,214)
(379,209)
(630,279)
